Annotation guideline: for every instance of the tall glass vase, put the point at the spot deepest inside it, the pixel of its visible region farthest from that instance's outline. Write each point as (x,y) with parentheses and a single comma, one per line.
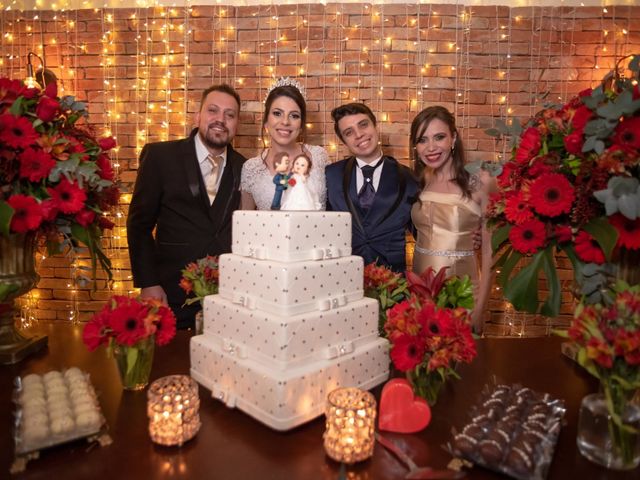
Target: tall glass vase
(17,277)
(135,362)
(609,428)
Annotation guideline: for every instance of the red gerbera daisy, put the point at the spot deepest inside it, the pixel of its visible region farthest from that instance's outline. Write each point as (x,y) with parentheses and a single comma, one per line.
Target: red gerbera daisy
(127,321)
(529,145)
(166,326)
(516,208)
(628,133)
(68,196)
(407,352)
(35,164)
(552,194)
(580,117)
(96,332)
(16,132)
(528,237)
(587,249)
(27,214)
(628,231)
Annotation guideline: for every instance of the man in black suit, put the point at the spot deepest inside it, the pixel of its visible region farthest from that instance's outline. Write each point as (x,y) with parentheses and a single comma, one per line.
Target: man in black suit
(187,191)
(375,188)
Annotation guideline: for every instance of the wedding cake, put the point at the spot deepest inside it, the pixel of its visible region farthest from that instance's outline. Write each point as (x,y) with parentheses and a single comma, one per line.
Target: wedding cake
(290,322)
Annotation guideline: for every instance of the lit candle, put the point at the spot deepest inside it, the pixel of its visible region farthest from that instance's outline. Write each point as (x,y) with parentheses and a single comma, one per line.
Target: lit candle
(172,407)
(349,435)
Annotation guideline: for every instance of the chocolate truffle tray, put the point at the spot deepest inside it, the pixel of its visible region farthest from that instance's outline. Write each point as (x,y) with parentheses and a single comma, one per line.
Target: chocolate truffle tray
(52,409)
(512,430)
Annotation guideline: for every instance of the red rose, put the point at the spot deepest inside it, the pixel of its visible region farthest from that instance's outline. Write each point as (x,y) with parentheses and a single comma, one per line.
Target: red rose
(104,168)
(586,92)
(573,142)
(580,117)
(85,217)
(51,90)
(562,233)
(292,182)
(47,109)
(104,223)
(107,143)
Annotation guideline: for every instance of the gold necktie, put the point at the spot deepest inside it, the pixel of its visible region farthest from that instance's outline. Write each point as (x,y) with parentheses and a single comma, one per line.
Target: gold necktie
(212,180)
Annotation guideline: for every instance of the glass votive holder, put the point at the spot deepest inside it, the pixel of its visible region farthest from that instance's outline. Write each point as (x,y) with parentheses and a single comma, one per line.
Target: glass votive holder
(172,406)
(350,425)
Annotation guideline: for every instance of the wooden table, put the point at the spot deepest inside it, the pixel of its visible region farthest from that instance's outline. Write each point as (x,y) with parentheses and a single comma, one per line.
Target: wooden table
(232,445)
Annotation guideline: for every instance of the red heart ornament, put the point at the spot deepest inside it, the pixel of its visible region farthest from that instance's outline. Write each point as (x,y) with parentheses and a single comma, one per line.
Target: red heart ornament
(400,410)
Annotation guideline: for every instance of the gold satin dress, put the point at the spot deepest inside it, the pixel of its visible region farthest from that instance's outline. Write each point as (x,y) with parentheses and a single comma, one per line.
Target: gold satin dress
(445,223)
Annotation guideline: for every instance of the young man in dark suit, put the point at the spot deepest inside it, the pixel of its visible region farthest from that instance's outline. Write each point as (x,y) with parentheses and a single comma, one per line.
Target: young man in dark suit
(187,191)
(375,188)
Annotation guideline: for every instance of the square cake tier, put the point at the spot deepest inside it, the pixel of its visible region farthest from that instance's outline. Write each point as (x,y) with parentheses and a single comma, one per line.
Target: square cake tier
(288,341)
(288,236)
(291,288)
(284,400)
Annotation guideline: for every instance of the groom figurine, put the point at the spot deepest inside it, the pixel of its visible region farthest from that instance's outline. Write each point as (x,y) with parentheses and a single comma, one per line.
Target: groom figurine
(280,179)
(375,188)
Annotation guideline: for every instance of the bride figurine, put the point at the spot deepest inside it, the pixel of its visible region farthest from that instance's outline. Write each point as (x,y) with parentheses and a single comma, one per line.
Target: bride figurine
(301,195)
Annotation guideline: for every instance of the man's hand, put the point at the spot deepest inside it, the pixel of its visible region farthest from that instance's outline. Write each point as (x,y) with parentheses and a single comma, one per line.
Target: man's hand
(155,291)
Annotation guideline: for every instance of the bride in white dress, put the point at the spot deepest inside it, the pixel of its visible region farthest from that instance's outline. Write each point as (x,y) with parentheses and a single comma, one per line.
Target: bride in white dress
(301,195)
(284,122)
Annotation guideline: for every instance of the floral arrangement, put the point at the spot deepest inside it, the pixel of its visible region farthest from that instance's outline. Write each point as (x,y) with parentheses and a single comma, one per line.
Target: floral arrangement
(608,341)
(571,185)
(55,175)
(200,278)
(430,331)
(386,286)
(128,321)
(130,328)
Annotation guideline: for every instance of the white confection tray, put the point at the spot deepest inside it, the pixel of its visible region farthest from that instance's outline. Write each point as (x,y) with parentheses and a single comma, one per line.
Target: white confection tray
(52,409)
(291,236)
(284,400)
(287,342)
(291,288)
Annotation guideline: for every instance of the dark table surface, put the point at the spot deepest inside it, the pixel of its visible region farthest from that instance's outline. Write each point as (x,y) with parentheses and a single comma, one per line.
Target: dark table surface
(232,445)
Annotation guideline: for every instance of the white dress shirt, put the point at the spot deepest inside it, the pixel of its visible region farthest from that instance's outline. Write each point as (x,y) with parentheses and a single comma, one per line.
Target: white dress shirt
(376,173)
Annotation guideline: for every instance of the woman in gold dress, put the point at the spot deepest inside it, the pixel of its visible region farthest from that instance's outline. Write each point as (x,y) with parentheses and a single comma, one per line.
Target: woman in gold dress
(450,206)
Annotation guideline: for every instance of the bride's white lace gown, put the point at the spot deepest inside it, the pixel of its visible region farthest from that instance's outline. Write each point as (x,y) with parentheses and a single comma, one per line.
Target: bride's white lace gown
(258,181)
(300,196)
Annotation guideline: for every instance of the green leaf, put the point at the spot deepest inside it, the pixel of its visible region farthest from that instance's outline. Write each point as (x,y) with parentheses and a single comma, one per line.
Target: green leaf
(508,266)
(16,109)
(132,357)
(604,233)
(499,236)
(522,290)
(551,307)
(492,132)
(6,212)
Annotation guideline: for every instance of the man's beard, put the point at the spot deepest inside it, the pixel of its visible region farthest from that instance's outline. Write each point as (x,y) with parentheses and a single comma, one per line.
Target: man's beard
(211,141)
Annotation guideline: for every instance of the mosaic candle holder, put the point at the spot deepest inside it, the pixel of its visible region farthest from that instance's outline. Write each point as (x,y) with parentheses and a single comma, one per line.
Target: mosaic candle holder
(172,406)
(350,425)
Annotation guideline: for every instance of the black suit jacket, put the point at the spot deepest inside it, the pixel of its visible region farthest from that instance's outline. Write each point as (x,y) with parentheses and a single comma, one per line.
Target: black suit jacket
(378,235)
(170,197)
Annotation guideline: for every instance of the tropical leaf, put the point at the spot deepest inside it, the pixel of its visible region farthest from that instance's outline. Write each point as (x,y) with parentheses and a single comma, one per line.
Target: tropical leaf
(604,233)
(522,289)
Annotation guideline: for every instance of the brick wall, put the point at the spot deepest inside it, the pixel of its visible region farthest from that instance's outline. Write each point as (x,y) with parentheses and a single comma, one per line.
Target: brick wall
(142,71)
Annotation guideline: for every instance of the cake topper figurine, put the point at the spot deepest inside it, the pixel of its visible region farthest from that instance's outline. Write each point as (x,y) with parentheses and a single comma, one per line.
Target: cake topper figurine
(280,179)
(301,195)
(287,82)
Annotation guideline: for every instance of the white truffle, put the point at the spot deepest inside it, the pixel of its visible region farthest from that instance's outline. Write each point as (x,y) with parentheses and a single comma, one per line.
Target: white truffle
(37,419)
(58,397)
(62,425)
(88,420)
(52,375)
(79,391)
(33,388)
(73,373)
(33,401)
(33,435)
(57,388)
(60,411)
(33,409)
(31,379)
(82,398)
(87,406)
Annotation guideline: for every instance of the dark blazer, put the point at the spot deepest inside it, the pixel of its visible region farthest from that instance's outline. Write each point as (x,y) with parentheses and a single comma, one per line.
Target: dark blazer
(170,196)
(378,235)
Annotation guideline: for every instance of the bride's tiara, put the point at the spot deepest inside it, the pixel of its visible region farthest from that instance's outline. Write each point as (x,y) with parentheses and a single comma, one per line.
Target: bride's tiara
(287,82)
